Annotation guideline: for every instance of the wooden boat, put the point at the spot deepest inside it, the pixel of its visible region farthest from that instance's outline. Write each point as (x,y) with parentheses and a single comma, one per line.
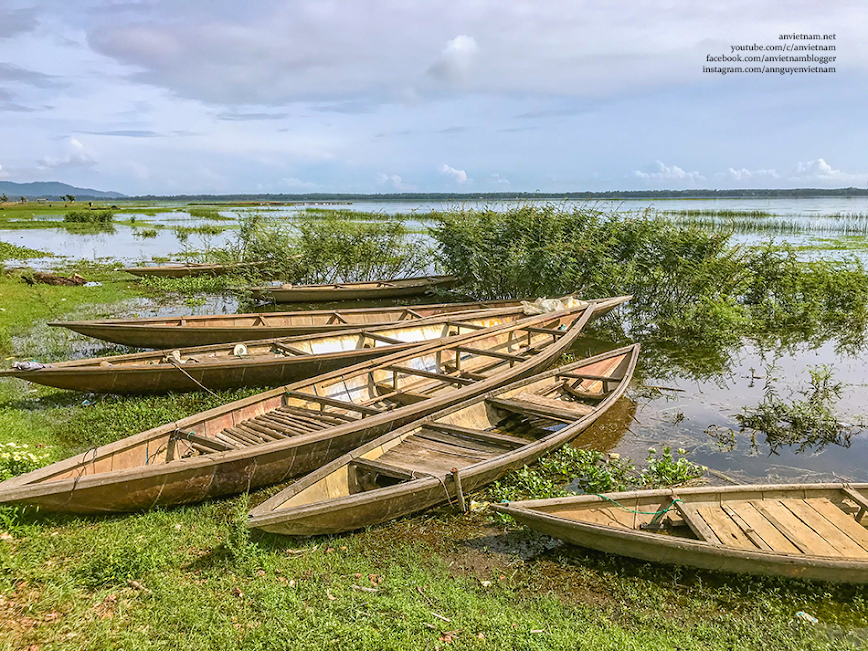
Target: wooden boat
(265,362)
(193,330)
(451,452)
(292,430)
(363,291)
(191,269)
(806,531)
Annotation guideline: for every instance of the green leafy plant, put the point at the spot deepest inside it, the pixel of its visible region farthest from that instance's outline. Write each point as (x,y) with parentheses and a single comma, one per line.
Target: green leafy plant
(19,458)
(807,423)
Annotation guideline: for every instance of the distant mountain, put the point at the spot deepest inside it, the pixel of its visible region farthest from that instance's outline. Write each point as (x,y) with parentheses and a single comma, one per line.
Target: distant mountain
(52,190)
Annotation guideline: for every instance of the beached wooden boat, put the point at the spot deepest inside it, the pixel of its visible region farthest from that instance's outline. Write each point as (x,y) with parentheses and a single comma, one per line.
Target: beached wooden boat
(264,362)
(294,429)
(198,330)
(806,531)
(451,452)
(191,269)
(362,291)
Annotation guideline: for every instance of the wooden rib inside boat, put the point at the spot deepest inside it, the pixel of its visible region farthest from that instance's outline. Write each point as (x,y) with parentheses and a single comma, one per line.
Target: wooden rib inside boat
(451,452)
(268,362)
(292,430)
(355,291)
(197,330)
(808,531)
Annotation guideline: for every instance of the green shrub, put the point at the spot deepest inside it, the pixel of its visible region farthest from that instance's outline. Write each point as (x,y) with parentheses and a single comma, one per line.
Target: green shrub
(89,217)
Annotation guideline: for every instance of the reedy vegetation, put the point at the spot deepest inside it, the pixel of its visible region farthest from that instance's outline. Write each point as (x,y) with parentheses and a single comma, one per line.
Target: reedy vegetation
(688,284)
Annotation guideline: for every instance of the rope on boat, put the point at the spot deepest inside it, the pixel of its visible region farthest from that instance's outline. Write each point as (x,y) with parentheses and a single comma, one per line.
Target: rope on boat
(177,366)
(618,504)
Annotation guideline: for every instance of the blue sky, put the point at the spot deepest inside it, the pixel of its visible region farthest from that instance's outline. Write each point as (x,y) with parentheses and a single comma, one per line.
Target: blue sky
(213,96)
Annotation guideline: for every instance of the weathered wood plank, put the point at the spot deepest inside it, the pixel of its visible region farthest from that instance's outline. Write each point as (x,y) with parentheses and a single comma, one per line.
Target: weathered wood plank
(697,525)
(777,541)
(797,531)
(333,402)
(842,543)
(727,531)
(844,522)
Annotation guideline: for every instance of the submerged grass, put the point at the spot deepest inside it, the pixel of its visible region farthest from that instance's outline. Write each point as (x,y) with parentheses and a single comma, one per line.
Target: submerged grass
(14,252)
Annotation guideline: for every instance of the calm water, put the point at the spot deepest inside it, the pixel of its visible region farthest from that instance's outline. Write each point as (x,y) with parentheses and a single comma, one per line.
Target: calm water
(675,418)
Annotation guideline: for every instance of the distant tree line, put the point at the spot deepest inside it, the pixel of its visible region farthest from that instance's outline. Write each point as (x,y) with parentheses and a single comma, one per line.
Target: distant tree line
(506,196)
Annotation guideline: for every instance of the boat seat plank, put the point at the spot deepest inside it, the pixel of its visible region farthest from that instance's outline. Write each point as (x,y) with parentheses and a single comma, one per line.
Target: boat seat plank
(333,402)
(727,531)
(486,436)
(290,349)
(533,405)
(777,541)
(409,456)
(457,441)
(379,337)
(696,523)
(374,465)
(842,543)
(450,449)
(452,379)
(490,353)
(800,534)
(569,405)
(859,500)
(844,522)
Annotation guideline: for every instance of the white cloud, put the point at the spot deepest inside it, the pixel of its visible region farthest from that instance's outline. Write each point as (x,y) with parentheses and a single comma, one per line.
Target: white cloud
(460,176)
(746,174)
(298,184)
(3,174)
(75,156)
(497,178)
(666,173)
(456,60)
(820,171)
(395,181)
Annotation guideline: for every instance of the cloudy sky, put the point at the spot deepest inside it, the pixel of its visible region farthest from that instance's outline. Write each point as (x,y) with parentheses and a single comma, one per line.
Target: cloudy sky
(288,96)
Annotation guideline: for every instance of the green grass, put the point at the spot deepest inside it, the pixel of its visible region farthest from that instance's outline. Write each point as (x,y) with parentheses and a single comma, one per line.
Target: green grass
(14,252)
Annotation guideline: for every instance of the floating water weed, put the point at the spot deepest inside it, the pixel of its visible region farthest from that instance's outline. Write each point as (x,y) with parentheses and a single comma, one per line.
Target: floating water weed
(804,424)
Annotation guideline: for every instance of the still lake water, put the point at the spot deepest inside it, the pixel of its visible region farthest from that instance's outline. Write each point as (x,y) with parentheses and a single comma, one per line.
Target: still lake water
(674,418)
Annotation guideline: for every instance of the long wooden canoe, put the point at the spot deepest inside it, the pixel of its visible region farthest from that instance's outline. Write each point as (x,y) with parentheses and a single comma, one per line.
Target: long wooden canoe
(265,362)
(806,531)
(451,452)
(197,330)
(292,430)
(362,291)
(191,269)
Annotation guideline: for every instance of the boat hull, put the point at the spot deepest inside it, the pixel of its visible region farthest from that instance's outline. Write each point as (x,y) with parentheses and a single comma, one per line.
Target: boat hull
(674,550)
(139,472)
(334,515)
(353,291)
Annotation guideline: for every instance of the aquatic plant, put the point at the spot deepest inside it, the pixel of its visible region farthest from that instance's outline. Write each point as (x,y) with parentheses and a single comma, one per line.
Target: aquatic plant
(804,424)
(571,470)
(88,217)
(688,285)
(15,252)
(207,213)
